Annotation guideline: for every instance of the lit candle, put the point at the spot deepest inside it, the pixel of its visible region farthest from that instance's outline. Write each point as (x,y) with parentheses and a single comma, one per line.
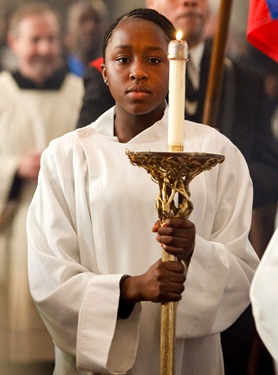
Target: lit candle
(177,55)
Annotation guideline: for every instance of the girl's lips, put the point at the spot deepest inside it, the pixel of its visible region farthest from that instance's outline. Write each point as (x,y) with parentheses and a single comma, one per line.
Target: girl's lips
(138,89)
(138,92)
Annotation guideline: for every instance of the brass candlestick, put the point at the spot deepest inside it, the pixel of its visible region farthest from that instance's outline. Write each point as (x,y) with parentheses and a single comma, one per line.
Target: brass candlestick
(173,172)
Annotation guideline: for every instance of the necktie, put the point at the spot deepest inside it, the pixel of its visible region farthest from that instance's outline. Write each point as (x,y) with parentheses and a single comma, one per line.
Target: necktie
(192,81)
(191,91)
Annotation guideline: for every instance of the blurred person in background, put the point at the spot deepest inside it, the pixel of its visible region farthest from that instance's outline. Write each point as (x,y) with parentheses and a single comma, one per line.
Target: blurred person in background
(265,202)
(40,101)
(86,22)
(7,58)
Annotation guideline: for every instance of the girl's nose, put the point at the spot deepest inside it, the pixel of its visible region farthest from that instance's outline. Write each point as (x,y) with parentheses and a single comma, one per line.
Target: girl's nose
(138,73)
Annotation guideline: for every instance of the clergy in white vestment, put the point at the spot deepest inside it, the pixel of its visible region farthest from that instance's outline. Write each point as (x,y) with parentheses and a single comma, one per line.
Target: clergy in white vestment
(39,101)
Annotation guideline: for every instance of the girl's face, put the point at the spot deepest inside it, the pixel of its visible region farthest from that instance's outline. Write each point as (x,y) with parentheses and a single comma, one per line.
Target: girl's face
(136,66)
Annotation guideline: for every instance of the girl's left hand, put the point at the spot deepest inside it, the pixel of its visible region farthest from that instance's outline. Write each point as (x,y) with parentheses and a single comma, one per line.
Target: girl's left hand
(177,237)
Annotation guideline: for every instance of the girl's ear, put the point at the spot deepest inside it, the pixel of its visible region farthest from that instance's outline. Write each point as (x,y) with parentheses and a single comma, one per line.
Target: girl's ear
(104,76)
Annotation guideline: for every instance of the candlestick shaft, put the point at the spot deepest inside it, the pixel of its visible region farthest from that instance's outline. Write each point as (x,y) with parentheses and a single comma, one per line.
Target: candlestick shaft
(167,336)
(167,331)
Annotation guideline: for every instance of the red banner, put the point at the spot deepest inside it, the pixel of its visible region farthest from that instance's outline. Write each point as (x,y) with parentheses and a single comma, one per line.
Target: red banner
(262,31)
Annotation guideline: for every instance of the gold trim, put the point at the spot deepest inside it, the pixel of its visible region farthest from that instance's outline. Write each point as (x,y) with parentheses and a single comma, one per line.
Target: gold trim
(174,148)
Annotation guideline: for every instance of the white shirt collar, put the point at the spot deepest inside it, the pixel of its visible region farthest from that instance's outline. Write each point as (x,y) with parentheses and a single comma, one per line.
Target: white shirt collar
(196,54)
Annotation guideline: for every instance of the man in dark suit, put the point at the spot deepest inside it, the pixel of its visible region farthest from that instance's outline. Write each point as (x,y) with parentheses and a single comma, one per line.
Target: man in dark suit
(242,116)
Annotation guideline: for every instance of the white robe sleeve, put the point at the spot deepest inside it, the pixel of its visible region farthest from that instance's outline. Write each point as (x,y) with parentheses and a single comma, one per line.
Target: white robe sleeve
(78,306)
(264,297)
(223,262)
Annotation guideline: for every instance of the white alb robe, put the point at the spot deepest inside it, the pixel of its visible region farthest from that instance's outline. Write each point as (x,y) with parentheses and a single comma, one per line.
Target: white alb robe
(29,120)
(90,222)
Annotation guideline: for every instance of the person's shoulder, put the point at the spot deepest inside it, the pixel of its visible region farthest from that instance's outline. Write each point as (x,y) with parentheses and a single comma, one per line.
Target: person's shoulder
(65,139)
(4,73)
(73,136)
(73,80)
(247,73)
(210,137)
(204,129)
(9,89)
(72,89)
(209,140)
(85,132)
(65,146)
(6,77)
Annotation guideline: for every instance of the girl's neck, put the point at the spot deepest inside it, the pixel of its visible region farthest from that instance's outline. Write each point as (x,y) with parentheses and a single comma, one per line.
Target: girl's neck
(128,126)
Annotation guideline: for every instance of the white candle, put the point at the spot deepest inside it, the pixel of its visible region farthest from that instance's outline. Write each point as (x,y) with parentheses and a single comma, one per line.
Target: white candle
(177,55)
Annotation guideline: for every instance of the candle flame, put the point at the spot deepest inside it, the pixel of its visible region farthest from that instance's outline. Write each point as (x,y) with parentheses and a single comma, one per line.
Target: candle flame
(179,35)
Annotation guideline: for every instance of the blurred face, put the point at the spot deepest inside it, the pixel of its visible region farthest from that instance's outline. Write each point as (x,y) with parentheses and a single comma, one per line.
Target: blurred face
(85,32)
(36,45)
(136,66)
(190,16)
(271,85)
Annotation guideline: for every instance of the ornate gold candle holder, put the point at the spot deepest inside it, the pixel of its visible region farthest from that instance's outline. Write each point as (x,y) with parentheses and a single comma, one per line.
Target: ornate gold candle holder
(173,172)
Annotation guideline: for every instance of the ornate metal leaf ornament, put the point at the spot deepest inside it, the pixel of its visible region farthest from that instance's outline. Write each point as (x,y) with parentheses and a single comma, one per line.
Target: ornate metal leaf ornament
(173,172)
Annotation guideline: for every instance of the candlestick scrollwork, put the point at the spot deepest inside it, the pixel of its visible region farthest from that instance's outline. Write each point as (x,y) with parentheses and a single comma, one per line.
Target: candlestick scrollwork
(173,173)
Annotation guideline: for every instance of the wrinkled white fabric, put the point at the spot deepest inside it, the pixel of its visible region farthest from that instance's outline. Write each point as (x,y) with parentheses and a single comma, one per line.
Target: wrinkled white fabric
(29,119)
(90,222)
(264,297)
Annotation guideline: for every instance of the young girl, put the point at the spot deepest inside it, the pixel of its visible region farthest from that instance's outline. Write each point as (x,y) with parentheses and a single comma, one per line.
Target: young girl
(94,264)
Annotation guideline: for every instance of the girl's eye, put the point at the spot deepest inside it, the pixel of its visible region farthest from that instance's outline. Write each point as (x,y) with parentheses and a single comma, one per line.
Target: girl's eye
(154,60)
(123,60)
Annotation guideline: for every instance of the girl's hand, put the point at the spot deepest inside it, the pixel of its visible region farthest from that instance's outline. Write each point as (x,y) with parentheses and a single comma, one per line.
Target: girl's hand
(177,237)
(163,282)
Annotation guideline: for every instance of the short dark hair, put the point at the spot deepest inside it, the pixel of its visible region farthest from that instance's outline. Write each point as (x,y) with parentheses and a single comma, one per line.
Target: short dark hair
(144,14)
